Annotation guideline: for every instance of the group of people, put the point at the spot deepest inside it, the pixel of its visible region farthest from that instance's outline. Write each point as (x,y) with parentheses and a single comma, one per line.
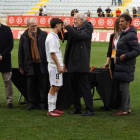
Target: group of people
(121,56)
(40,58)
(43,11)
(136,13)
(108,12)
(73,12)
(119,2)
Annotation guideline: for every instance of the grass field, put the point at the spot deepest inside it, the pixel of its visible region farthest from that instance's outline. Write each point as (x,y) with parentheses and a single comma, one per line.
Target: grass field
(21,124)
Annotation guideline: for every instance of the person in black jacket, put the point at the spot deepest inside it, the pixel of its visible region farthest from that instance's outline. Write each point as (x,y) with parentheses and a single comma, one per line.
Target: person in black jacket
(108,10)
(6,46)
(115,96)
(99,10)
(127,50)
(33,63)
(77,58)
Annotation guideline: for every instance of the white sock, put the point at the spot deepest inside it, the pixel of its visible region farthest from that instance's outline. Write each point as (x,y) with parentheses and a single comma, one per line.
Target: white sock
(50,102)
(55,99)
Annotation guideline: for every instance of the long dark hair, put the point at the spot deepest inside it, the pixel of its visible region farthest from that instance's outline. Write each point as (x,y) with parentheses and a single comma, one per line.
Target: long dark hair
(116,27)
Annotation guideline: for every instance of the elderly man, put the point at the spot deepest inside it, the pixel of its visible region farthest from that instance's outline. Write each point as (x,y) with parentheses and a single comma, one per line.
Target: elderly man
(127,50)
(6,46)
(33,63)
(77,58)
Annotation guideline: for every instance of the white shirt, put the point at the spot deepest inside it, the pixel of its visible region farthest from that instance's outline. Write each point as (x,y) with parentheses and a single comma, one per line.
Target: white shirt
(44,10)
(52,45)
(116,41)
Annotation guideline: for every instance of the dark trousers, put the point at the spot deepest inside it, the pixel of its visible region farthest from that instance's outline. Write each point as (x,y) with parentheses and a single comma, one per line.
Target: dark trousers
(115,99)
(113,1)
(37,88)
(80,87)
(119,2)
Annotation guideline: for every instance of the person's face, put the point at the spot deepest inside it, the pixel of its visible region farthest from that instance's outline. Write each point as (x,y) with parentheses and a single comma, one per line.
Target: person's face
(32,26)
(59,27)
(123,23)
(77,21)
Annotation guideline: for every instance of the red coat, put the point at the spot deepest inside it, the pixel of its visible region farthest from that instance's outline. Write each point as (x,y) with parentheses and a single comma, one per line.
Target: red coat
(118,12)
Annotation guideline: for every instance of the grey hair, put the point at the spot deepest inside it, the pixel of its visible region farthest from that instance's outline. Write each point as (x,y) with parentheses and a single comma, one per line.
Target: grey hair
(31,19)
(82,16)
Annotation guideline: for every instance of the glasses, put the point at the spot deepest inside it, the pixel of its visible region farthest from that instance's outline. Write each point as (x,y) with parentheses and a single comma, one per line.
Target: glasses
(33,26)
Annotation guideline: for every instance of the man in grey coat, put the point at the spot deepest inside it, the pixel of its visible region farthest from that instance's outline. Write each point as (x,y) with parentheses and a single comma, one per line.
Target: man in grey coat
(77,59)
(127,50)
(6,46)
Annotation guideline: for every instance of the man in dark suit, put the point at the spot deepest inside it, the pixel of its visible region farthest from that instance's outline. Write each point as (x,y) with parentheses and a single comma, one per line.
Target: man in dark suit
(33,63)
(77,58)
(6,46)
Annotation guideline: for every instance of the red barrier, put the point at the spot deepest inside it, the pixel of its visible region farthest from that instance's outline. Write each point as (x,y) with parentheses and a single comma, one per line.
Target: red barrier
(45,20)
(96,36)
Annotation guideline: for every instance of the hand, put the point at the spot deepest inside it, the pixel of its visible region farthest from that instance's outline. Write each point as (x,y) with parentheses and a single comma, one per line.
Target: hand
(106,65)
(60,69)
(115,60)
(1,58)
(21,71)
(122,57)
(65,69)
(65,23)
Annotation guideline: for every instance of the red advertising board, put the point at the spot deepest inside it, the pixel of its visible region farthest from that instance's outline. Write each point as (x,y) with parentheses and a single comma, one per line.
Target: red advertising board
(96,36)
(45,20)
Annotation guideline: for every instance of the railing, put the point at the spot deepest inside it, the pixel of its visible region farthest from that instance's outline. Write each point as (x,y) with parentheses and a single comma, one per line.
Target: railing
(5,14)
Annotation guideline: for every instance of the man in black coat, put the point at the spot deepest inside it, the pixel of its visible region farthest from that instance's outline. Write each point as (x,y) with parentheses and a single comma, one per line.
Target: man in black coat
(77,59)
(33,63)
(99,10)
(6,46)
(127,50)
(108,10)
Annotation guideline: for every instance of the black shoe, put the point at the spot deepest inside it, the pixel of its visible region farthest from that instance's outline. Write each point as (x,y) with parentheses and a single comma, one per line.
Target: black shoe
(30,107)
(88,113)
(105,108)
(75,112)
(10,106)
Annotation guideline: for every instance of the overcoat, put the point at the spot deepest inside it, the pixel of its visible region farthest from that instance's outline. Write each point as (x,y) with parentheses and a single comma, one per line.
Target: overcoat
(6,46)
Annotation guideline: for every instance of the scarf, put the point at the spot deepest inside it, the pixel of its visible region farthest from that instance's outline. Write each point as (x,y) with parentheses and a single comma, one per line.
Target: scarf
(34,49)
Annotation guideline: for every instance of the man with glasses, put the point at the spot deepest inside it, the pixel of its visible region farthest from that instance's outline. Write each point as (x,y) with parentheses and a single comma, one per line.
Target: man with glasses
(33,63)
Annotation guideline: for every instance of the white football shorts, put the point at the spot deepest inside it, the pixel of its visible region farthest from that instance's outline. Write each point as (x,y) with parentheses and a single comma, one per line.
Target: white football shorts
(56,78)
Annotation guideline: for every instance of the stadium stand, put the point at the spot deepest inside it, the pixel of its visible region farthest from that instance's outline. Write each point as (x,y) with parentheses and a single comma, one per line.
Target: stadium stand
(61,7)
